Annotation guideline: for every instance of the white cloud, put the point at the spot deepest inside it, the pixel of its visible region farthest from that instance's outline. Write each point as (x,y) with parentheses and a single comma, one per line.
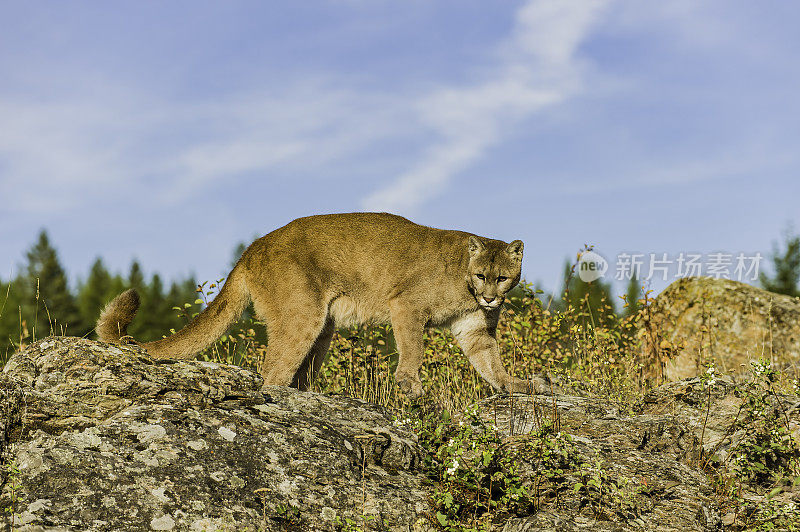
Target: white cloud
(72,148)
(61,154)
(52,152)
(230,158)
(538,67)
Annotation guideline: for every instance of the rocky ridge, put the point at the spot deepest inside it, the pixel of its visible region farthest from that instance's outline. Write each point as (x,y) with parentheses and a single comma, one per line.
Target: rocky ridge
(100,437)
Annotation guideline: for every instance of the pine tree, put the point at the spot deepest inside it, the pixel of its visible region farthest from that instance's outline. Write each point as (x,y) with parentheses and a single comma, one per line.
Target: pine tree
(94,293)
(57,310)
(136,277)
(179,294)
(786,265)
(633,294)
(138,328)
(5,292)
(9,320)
(118,285)
(154,314)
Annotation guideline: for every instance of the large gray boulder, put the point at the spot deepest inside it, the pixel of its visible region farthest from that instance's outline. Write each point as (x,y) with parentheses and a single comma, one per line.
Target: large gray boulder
(104,438)
(726,322)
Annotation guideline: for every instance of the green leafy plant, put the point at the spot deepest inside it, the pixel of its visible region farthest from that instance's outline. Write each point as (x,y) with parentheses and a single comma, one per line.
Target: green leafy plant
(12,484)
(287,513)
(767,452)
(763,461)
(478,476)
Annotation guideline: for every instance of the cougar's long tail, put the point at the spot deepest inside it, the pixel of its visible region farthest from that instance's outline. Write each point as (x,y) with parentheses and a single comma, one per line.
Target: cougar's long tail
(202,331)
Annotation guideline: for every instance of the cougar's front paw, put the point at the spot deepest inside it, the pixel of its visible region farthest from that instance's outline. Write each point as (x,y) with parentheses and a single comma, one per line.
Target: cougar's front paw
(410,384)
(538,385)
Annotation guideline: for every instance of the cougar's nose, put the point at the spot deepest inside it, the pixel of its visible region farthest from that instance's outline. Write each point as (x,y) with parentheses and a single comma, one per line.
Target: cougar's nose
(488,299)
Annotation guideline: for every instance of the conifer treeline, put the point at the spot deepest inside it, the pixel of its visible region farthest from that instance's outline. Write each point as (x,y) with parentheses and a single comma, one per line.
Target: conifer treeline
(40,300)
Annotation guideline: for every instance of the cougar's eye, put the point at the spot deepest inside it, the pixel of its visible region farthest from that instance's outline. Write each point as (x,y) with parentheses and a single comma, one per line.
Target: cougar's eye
(480,276)
(501,279)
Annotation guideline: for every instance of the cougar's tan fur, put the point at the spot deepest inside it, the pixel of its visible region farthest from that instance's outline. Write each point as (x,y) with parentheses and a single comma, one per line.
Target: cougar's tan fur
(322,272)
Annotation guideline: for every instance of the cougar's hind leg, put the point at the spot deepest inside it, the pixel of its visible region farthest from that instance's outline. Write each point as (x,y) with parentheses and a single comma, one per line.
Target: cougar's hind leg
(319,352)
(292,332)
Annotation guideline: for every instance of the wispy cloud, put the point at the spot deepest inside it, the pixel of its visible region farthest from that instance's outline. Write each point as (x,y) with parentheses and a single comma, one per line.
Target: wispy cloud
(58,155)
(52,152)
(118,139)
(538,66)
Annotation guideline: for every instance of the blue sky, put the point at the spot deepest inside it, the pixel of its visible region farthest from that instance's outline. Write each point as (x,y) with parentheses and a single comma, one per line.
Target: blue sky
(169,131)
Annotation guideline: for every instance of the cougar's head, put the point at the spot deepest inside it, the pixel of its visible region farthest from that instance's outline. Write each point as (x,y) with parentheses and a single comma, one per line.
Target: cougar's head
(494,269)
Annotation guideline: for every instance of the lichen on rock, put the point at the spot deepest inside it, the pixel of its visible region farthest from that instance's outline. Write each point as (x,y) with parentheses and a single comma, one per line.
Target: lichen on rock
(724,322)
(104,438)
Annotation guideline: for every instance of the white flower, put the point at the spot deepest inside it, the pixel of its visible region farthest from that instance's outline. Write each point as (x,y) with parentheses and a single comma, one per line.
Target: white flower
(453,468)
(760,367)
(711,376)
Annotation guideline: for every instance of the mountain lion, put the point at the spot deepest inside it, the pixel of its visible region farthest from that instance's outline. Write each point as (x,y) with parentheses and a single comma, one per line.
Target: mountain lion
(322,272)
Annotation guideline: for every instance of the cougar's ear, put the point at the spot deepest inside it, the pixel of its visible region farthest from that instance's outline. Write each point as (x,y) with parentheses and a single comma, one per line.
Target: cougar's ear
(514,250)
(475,246)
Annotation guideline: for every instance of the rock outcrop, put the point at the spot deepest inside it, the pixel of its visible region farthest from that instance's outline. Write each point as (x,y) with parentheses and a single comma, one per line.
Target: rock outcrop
(644,463)
(727,322)
(103,438)
(97,437)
